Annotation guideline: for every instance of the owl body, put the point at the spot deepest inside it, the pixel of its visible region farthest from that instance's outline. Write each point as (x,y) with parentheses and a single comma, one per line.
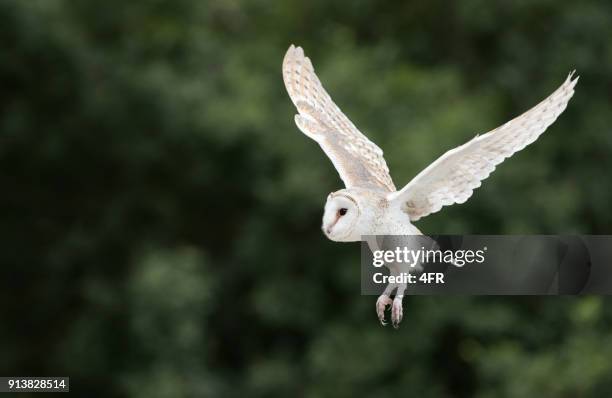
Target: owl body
(371,204)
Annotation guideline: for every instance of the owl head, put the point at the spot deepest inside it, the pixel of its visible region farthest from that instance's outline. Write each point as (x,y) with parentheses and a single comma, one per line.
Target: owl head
(348,215)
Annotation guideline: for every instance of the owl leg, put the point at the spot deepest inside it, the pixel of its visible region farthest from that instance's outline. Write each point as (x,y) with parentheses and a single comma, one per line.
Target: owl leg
(383,301)
(397,312)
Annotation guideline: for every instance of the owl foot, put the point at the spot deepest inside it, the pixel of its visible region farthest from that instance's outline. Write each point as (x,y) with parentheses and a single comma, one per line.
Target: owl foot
(397,312)
(381,304)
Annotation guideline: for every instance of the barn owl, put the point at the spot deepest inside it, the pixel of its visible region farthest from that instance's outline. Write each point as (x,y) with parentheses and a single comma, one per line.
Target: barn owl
(370,204)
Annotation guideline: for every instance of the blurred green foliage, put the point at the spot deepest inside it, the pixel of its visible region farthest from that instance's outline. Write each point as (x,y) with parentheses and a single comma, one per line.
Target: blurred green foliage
(160,211)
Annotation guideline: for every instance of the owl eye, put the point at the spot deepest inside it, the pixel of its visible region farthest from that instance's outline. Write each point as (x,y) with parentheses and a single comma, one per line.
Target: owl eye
(342,211)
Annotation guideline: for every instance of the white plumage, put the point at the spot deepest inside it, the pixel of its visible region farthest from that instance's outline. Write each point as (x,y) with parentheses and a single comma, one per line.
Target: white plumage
(370,204)
(358,160)
(453,177)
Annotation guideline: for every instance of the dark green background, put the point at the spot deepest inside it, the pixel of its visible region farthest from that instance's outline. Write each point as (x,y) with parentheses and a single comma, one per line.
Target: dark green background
(160,212)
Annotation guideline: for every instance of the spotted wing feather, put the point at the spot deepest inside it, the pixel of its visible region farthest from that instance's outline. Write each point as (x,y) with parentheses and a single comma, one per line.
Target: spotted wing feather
(358,160)
(454,176)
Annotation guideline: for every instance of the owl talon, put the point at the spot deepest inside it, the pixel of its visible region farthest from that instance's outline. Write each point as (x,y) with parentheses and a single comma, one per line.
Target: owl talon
(381,305)
(397,312)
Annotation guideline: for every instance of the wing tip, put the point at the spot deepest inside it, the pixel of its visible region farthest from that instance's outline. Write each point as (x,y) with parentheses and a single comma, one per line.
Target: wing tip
(299,51)
(293,53)
(293,47)
(289,53)
(293,59)
(571,79)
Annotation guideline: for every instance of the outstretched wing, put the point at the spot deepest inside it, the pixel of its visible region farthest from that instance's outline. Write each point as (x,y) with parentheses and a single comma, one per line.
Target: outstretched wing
(358,160)
(453,177)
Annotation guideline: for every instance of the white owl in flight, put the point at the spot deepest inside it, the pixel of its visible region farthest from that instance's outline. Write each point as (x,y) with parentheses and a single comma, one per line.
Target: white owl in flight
(370,204)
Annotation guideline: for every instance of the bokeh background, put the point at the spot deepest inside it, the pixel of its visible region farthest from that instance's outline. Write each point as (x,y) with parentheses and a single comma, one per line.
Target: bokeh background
(160,212)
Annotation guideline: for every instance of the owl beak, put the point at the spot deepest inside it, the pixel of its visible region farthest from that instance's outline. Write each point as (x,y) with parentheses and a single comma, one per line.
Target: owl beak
(327,230)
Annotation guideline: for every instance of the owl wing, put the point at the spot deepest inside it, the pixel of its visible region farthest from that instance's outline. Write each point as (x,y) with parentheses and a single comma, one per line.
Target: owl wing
(453,177)
(358,160)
